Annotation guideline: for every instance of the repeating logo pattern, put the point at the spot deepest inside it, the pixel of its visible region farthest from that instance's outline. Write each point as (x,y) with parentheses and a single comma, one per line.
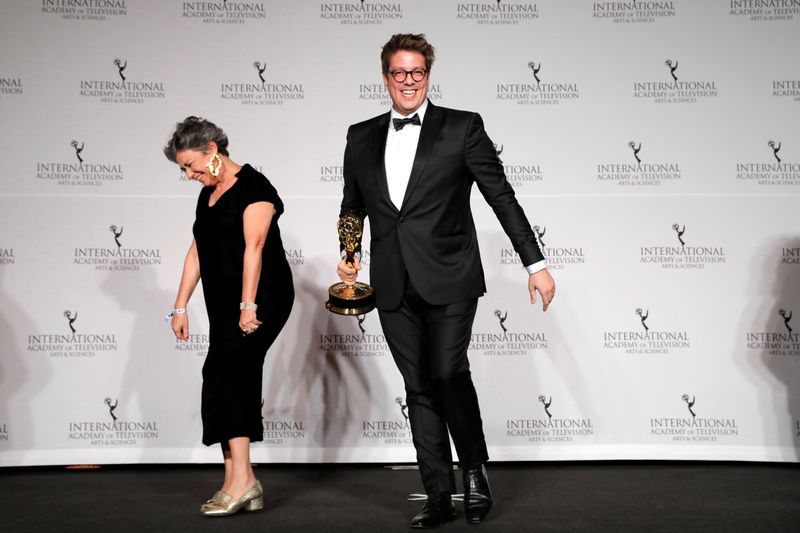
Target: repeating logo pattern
(497,13)
(361,344)
(263,89)
(122,88)
(331,174)
(780,340)
(765,10)
(396,430)
(693,426)
(776,169)
(633,12)
(225,12)
(674,88)
(365,12)
(85,10)
(683,254)
(645,340)
(71,340)
(638,171)
(10,87)
(83,172)
(7,256)
(117,257)
(786,89)
(114,431)
(789,255)
(295,256)
(560,256)
(539,88)
(506,341)
(634,160)
(549,428)
(279,430)
(197,343)
(520,174)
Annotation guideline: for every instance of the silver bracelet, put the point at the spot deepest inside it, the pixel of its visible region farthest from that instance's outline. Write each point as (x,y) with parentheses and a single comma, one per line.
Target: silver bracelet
(248,305)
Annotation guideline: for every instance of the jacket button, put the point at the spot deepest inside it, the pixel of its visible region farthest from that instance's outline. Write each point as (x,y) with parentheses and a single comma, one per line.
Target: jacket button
(401,219)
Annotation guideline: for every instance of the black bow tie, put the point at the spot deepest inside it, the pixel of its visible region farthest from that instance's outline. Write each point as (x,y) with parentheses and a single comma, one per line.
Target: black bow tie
(400,123)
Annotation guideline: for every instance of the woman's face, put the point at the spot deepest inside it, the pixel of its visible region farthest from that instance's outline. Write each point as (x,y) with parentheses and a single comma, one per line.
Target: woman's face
(194,165)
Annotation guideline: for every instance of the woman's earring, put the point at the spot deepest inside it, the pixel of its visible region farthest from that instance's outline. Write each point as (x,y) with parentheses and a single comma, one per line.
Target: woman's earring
(215,159)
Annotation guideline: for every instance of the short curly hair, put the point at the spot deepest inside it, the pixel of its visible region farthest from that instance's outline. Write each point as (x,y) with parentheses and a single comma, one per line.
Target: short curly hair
(194,133)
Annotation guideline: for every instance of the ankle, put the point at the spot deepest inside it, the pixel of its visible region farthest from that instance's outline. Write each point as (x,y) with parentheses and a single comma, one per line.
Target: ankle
(440,498)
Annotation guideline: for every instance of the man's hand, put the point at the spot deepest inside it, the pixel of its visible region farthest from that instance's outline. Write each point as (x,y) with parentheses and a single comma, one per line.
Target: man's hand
(348,272)
(543,282)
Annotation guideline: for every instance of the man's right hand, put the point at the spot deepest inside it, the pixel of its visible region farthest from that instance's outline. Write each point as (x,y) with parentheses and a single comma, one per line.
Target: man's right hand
(348,272)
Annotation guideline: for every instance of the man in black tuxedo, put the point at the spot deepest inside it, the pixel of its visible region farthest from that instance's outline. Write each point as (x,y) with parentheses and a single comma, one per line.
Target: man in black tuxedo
(411,171)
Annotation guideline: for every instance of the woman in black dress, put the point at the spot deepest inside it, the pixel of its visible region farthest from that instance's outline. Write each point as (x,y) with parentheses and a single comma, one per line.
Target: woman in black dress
(247,285)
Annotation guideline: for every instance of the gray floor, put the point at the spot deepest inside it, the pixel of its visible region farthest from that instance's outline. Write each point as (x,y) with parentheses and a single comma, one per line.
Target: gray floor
(617,497)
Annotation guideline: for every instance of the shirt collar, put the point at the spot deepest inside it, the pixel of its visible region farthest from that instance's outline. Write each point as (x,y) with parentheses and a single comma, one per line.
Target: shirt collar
(420,111)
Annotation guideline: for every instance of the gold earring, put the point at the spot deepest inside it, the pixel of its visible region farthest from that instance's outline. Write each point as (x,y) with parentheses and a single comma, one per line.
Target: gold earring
(215,159)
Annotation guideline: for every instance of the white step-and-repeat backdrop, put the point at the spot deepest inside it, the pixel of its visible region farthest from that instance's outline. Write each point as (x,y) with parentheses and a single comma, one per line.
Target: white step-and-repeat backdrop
(654,145)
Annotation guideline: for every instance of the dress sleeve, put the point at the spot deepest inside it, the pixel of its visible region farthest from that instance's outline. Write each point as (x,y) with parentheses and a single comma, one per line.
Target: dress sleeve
(257,188)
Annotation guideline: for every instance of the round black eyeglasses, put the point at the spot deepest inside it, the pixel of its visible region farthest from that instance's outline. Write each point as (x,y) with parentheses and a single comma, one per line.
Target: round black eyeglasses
(400,75)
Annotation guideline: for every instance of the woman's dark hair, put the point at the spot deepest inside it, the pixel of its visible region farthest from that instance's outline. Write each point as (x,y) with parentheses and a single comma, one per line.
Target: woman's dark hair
(194,133)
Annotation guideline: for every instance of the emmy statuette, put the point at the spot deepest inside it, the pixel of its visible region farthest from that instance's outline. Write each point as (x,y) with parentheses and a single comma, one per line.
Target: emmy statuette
(358,298)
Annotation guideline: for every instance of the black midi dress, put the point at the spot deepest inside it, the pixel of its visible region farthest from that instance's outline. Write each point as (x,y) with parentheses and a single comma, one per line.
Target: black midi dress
(232,373)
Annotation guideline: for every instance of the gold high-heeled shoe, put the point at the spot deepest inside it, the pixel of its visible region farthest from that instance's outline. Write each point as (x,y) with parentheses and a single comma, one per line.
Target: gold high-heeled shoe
(216,498)
(221,504)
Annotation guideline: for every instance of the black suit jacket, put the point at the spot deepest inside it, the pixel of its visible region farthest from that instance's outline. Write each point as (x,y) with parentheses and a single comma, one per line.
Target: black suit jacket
(432,236)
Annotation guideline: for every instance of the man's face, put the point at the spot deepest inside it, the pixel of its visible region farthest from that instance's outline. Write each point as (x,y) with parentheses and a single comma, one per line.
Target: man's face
(407,95)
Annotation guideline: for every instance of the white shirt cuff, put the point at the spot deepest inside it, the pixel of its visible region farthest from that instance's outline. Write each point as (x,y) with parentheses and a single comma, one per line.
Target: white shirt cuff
(536,267)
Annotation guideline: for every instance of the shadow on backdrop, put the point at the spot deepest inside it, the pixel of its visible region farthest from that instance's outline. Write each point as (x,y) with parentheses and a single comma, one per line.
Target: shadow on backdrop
(771,324)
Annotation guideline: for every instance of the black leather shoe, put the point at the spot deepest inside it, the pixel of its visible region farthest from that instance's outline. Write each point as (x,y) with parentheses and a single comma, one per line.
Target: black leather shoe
(438,510)
(477,495)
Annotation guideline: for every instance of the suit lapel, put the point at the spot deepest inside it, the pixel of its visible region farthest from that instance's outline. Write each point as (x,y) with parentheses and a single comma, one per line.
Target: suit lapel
(381,130)
(427,137)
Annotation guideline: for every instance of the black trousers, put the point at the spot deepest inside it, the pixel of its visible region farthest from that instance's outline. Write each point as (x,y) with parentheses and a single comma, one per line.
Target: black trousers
(429,344)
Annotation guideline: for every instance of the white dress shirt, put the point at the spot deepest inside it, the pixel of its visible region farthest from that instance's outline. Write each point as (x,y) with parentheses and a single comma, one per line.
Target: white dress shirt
(401,147)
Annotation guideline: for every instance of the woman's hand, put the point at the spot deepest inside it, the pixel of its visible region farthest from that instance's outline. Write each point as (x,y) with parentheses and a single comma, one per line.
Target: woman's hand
(180,326)
(248,322)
